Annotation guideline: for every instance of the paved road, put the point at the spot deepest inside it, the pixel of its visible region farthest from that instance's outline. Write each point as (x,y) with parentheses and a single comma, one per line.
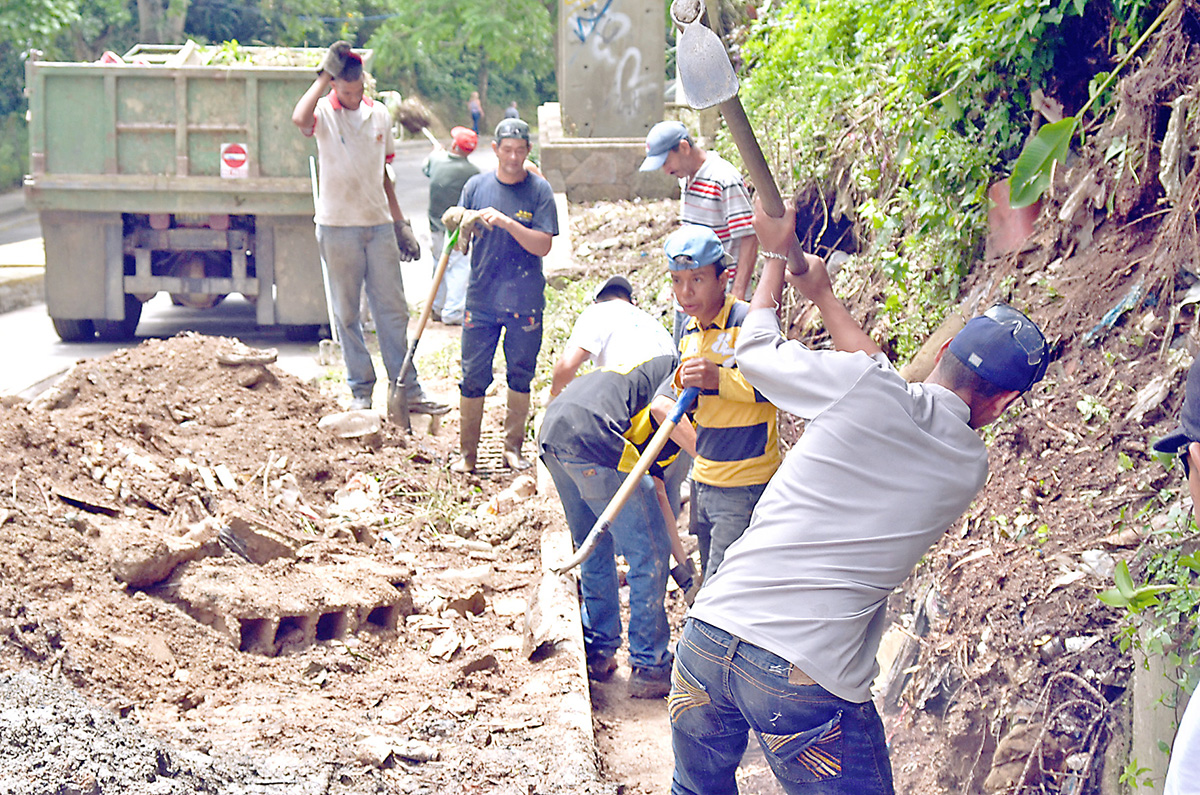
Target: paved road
(31,355)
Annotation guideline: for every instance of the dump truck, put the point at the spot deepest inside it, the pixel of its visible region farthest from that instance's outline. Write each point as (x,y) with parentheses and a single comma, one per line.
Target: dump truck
(177,169)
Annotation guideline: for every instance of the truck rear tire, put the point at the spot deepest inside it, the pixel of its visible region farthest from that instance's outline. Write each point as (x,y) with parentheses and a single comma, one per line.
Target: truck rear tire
(72,330)
(121,330)
(302,333)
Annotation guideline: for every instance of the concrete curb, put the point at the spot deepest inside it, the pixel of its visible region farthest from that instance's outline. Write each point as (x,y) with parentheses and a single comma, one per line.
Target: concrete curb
(575,767)
(21,287)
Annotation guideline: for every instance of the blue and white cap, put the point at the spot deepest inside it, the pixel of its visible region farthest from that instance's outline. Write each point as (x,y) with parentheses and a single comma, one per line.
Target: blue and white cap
(693,246)
(1004,347)
(662,138)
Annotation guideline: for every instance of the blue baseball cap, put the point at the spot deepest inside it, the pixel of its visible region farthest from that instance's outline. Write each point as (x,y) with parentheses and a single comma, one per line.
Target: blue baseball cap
(1003,347)
(693,246)
(1189,417)
(662,138)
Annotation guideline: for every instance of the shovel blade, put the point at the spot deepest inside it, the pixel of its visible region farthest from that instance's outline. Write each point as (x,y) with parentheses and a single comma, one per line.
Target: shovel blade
(398,406)
(705,72)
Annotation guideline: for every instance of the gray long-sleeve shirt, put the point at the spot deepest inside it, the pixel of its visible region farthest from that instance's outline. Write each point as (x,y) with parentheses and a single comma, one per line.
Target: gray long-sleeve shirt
(882,470)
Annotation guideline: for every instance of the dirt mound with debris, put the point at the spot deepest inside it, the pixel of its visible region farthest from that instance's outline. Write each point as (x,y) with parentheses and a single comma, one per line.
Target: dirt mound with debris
(183,544)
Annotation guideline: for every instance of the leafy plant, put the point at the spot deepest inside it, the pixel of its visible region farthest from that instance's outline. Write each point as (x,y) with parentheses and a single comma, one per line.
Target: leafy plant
(1034,168)
(1092,408)
(903,113)
(1133,598)
(1131,774)
(1160,613)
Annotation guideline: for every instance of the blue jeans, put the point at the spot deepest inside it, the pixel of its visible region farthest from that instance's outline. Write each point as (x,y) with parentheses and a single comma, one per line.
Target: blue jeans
(719,517)
(481,333)
(816,743)
(367,255)
(638,533)
(451,299)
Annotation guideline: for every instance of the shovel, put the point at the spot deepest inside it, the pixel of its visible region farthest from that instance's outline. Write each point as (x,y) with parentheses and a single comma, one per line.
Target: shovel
(605,520)
(708,79)
(398,396)
(329,354)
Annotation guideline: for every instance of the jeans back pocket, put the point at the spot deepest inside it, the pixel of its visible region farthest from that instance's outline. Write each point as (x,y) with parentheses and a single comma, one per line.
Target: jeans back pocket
(808,756)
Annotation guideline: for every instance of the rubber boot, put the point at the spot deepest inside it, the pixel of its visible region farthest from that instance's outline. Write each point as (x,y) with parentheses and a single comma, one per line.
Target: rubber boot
(470,421)
(514,430)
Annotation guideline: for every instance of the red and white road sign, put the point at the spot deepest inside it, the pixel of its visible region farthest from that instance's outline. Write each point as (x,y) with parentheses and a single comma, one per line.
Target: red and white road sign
(235,162)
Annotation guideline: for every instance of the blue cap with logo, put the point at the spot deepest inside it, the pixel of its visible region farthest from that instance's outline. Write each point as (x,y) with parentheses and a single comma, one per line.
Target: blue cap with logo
(662,138)
(693,246)
(1004,347)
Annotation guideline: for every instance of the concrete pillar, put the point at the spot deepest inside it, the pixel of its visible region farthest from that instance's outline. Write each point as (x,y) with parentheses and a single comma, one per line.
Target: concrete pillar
(611,62)
(1158,705)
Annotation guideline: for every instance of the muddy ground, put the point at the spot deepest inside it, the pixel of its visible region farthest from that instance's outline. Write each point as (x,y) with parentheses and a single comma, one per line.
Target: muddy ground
(180,542)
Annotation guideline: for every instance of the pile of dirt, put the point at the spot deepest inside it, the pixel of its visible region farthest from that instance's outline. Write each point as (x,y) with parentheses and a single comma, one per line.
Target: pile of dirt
(183,544)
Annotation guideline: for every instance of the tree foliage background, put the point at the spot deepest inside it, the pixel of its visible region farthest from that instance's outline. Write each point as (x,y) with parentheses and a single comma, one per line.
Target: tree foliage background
(441,50)
(899,115)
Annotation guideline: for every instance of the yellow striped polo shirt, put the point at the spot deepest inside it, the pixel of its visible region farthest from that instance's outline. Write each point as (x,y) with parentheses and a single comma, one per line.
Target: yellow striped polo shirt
(736,439)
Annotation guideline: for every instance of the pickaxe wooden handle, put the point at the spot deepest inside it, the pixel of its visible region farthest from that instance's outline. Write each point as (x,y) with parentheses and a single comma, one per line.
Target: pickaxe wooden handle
(631,482)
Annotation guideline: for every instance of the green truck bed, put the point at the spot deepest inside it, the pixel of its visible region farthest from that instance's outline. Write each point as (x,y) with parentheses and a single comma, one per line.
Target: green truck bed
(178,170)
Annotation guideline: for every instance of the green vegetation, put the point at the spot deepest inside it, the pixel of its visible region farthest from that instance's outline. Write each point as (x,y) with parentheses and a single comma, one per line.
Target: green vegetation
(14,148)
(445,49)
(902,113)
(1161,613)
(1034,168)
(563,305)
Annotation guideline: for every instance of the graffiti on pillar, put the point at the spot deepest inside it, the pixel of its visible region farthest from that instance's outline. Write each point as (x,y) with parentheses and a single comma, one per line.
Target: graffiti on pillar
(584,21)
(605,33)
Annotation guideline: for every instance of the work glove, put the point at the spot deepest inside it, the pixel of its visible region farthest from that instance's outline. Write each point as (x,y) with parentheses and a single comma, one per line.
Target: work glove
(335,58)
(406,241)
(452,218)
(467,222)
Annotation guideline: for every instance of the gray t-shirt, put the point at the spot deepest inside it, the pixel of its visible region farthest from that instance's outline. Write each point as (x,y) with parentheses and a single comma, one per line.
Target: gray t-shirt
(882,470)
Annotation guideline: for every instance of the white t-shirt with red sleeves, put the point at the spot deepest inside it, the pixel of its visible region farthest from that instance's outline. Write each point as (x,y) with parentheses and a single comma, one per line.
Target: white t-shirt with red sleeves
(352,148)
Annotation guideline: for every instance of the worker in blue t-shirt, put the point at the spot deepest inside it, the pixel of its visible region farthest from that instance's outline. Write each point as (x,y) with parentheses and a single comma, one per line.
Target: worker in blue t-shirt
(505,293)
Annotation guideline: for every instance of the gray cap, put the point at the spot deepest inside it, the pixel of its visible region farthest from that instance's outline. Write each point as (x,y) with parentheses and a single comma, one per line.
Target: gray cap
(617,282)
(512,128)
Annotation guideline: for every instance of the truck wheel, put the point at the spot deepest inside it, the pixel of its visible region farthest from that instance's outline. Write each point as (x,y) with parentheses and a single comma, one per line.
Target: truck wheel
(302,333)
(121,330)
(71,330)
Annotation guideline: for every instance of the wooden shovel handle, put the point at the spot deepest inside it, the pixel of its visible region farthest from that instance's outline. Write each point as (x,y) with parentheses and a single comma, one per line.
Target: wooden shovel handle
(752,156)
(760,172)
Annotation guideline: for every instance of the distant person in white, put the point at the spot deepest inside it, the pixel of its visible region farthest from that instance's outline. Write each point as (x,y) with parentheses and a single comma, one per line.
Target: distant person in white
(613,333)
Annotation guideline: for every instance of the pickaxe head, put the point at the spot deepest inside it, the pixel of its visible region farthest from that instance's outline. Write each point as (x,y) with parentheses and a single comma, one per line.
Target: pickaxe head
(705,72)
